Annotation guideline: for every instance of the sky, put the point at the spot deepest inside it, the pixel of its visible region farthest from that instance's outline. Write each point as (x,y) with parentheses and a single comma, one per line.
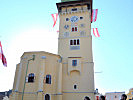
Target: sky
(27,25)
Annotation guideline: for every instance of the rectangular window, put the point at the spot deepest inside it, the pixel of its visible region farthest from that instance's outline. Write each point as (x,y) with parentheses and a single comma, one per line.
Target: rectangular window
(67,19)
(74,9)
(74,29)
(78,42)
(74,62)
(71,42)
(75,42)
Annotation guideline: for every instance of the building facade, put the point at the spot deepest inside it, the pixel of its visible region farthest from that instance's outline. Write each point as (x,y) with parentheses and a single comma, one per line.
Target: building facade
(68,75)
(114,95)
(130,94)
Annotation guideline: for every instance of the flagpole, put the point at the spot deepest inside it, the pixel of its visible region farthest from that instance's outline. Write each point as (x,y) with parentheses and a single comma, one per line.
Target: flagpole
(26,74)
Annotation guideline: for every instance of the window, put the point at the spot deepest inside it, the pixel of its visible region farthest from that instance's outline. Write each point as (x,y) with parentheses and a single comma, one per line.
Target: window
(48,79)
(31,78)
(66,34)
(74,62)
(82,33)
(47,97)
(75,42)
(74,9)
(88,6)
(66,26)
(78,42)
(71,42)
(74,29)
(67,19)
(75,86)
(81,17)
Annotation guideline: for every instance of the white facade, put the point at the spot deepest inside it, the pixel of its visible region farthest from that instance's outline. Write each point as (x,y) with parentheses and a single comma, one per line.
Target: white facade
(114,95)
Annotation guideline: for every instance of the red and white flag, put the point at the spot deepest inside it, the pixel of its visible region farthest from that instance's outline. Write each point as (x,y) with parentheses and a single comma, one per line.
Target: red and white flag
(95,32)
(94,15)
(2,57)
(54,16)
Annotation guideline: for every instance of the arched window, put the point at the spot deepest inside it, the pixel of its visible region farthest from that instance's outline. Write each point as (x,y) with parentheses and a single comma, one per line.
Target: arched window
(47,97)
(48,79)
(75,86)
(31,77)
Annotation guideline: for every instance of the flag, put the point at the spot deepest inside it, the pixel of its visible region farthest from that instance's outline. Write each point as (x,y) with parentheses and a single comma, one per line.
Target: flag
(95,32)
(94,15)
(2,57)
(57,31)
(54,16)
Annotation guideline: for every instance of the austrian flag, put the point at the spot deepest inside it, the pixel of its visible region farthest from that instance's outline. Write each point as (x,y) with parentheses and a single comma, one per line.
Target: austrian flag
(94,15)
(54,16)
(2,57)
(95,32)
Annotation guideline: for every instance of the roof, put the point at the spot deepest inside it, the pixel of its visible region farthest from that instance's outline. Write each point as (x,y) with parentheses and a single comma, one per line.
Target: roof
(69,3)
(68,0)
(39,52)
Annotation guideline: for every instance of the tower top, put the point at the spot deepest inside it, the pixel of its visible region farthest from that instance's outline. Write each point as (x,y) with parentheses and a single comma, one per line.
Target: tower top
(69,3)
(69,0)
(74,0)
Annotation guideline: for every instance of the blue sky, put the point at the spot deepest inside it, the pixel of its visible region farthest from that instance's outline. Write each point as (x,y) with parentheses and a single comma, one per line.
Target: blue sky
(27,26)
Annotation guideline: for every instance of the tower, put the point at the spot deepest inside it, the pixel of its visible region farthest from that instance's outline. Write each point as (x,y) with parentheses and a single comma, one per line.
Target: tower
(75,48)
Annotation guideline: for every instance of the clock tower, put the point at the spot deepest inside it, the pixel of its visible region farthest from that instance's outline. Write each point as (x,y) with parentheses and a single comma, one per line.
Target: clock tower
(75,48)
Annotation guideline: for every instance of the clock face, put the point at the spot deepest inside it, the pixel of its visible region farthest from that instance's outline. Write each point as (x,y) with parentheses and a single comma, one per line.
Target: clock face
(74,19)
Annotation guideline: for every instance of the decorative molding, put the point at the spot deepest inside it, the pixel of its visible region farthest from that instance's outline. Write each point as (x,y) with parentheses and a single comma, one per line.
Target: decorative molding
(75,37)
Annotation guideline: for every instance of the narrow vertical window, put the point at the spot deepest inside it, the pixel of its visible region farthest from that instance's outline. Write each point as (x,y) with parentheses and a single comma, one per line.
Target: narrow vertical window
(72,29)
(71,42)
(47,97)
(78,42)
(48,79)
(75,28)
(74,62)
(74,42)
(75,86)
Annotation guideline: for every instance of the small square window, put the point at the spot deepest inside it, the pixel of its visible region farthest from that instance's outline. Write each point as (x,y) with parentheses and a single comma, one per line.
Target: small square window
(74,9)
(67,19)
(30,78)
(74,62)
(81,17)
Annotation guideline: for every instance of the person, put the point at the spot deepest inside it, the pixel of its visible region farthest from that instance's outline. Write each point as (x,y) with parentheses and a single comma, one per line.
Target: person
(123,97)
(102,97)
(86,98)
